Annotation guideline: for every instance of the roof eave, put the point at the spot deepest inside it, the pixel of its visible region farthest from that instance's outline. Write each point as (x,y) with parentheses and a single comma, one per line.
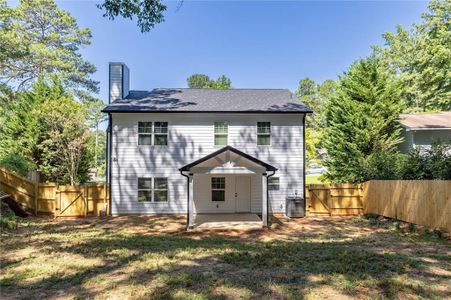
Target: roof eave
(425,128)
(209,111)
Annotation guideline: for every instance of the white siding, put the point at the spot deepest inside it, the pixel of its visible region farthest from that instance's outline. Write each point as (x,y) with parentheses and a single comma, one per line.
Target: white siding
(125,82)
(191,136)
(423,139)
(119,81)
(115,82)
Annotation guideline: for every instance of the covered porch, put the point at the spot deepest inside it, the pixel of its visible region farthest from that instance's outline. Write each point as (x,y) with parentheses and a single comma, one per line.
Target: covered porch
(226,188)
(239,221)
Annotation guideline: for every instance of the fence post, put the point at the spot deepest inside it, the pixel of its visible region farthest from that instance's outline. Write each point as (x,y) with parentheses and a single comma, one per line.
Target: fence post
(85,193)
(104,199)
(57,203)
(36,197)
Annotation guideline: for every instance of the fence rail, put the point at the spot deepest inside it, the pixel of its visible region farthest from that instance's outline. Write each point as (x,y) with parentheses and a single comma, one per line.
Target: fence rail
(424,202)
(57,200)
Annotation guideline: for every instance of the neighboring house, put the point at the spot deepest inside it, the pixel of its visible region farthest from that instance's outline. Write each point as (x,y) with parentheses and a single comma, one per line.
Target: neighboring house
(195,151)
(421,130)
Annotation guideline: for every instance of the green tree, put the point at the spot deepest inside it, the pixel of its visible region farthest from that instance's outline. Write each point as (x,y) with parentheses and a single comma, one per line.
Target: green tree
(148,12)
(63,154)
(94,118)
(198,81)
(306,88)
(315,96)
(49,129)
(222,83)
(361,121)
(38,39)
(202,81)
(422,58)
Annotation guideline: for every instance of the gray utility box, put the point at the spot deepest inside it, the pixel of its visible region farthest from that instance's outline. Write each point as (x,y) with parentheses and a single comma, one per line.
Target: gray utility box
(295,207)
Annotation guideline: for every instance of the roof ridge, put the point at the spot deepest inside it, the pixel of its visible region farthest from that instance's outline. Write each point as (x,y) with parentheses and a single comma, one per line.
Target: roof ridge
(187,88)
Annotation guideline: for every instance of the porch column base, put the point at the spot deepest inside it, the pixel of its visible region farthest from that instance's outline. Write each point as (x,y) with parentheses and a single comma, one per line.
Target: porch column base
(264,201)
(190,221)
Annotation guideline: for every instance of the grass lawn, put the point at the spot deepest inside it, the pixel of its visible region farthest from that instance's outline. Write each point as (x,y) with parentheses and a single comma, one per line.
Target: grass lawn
(153,257)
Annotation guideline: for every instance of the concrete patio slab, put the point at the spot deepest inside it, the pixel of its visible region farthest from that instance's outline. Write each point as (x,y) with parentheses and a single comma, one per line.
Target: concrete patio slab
(242,221)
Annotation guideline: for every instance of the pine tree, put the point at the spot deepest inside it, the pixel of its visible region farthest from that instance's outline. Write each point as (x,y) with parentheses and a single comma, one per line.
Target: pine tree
(361,124)
(40,39)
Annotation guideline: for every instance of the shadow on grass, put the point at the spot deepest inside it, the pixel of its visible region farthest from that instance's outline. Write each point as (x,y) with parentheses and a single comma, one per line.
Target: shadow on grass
(180,265)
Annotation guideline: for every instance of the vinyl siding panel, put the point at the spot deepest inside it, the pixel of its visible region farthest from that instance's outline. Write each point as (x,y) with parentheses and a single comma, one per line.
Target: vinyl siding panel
(190,137)
(115,81)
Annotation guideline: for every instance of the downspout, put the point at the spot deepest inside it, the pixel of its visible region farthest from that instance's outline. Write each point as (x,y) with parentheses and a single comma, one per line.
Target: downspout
(187,198)
(267,197)
(109,167)
(303,166)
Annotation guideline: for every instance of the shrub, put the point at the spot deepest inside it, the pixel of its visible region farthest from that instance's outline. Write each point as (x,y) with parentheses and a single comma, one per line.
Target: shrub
(433,163)
(383,165)
(17,163)
(8,221)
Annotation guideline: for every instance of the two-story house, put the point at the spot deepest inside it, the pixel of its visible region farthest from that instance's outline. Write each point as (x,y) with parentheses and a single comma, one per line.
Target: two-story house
(203,151)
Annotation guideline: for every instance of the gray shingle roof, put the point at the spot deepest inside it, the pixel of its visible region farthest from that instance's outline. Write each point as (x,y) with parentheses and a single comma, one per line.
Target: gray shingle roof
(209,100)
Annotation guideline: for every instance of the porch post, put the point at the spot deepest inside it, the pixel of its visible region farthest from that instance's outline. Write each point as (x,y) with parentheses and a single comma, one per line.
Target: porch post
(190,201)
(264,200)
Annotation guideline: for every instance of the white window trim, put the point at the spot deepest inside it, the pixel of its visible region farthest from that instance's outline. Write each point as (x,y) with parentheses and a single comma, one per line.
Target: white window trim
(152,134)
(152,190)
(272,184)
(226,134)
(146,134)
(216,189)
(144,190)
(270,134)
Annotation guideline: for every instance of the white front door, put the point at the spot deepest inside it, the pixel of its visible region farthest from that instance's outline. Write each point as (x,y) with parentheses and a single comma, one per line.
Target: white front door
(242,193)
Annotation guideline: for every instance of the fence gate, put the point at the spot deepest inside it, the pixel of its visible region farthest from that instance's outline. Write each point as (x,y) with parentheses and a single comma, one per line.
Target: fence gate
(334,199)
(71,200)
(319,196)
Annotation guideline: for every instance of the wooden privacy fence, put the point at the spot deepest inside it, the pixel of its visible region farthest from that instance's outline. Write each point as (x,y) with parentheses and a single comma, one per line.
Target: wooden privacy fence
(423,202)
(334,199)
(54,199)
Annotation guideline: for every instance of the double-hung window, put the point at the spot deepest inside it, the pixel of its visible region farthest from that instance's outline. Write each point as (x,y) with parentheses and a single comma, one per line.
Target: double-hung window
(160,130)
(160,189)
(144,189)
(221,132)
(153,133)
(264,133)
(152,189)
(273,183)
(218,189)
(144,133)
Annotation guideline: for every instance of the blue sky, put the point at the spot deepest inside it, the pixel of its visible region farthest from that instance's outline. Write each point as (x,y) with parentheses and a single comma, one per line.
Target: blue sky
(258,44)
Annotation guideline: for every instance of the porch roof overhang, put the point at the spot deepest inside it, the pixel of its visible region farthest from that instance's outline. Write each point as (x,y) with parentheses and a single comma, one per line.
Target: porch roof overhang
(221,169)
